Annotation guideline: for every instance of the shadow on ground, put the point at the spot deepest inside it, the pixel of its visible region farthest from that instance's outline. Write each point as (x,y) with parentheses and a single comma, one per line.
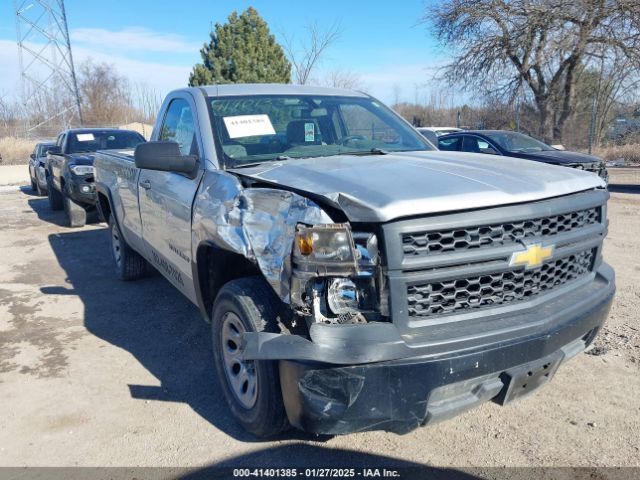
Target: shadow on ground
(153,321)
(40,206)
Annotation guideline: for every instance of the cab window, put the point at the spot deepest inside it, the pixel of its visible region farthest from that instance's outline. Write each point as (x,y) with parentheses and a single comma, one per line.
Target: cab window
(451,144)
(476,145)
(178,126)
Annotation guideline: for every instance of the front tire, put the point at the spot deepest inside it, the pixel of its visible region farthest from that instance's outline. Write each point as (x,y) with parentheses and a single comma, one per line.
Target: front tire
(55,197)
(251,387)
(129,264)
(76,214)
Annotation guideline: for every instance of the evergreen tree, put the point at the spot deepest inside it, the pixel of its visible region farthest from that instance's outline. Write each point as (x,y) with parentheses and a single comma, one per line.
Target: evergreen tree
(241,51)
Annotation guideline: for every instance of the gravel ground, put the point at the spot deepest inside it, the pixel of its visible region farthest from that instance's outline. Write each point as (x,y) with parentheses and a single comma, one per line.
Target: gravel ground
(95,372)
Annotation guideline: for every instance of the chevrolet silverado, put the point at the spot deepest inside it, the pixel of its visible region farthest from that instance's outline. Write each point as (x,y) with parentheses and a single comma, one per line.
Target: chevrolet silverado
(354,277)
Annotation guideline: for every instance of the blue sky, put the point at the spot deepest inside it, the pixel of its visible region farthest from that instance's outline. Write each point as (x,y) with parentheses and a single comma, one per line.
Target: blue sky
(157,44)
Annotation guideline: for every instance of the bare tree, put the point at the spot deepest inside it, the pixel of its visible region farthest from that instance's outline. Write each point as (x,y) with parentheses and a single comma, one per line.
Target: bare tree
(9,113)
(148,101)
(618,84)
(344,79)
(305,56)
(503,44)
(105,95)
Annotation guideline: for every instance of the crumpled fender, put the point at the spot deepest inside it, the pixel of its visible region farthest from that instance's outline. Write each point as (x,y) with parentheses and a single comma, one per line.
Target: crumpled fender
(258,223)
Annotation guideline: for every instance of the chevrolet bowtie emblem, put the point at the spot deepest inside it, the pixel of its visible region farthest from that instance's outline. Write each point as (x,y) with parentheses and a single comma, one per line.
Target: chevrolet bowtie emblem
(532,257)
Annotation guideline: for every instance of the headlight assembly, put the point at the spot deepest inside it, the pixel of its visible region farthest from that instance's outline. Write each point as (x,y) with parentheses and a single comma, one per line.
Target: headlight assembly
(81,169)
(325,245)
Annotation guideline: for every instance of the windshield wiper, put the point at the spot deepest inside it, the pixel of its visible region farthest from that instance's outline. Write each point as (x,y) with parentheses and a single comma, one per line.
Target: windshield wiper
(373,151)
(247,165)
(255,164)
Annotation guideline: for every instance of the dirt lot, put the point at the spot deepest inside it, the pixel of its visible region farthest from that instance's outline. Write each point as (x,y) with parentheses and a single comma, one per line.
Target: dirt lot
(98,372)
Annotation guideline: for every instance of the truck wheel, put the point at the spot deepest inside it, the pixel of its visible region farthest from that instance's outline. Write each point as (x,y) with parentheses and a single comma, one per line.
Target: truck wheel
(55,197)
(76,214)
(251,387)
(34,186)
(39,190)
(129,264)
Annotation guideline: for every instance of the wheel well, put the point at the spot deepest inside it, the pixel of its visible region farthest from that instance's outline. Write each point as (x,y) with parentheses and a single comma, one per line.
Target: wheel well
(104,207)
(217,267)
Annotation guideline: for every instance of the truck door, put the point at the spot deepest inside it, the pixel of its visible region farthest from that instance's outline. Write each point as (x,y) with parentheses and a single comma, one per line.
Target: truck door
(166,199)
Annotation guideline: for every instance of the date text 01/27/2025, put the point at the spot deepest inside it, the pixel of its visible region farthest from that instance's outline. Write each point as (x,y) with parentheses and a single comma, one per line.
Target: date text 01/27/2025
(315,473)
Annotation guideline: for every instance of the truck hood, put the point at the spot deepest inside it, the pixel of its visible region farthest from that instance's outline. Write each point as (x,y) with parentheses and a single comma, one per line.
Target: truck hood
(81,158)
(380,188)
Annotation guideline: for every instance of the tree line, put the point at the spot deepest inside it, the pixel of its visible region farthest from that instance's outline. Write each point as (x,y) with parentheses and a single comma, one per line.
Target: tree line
(555,65)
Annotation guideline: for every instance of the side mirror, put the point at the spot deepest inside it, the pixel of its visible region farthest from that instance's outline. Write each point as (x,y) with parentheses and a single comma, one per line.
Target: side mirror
(165,157)
(32,156)
(55,150)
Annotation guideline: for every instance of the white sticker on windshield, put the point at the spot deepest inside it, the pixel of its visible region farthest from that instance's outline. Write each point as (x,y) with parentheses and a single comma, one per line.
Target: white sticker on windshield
(248,125)
(85,137)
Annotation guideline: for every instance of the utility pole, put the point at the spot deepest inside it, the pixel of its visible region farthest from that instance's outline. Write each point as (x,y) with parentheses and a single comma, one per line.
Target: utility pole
(592,123)
(48,79)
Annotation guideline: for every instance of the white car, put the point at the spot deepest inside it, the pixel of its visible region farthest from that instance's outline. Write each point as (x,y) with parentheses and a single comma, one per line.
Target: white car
(432,133)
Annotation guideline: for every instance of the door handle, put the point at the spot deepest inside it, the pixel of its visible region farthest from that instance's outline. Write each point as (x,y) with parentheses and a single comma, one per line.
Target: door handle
(146,184)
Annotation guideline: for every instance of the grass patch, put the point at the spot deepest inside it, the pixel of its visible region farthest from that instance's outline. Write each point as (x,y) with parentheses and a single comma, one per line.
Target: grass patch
(15,151)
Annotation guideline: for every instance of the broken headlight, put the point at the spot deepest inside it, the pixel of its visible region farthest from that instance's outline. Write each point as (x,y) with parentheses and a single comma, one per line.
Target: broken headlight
(336,274)
(342,296)
(325,245)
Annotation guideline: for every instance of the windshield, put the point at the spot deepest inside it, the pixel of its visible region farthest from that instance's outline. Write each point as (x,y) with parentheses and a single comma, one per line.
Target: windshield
(256,129)
(102,140)
(42,149)
(517,142)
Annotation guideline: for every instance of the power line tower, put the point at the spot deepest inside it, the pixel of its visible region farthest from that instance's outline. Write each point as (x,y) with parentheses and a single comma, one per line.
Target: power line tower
(48,79)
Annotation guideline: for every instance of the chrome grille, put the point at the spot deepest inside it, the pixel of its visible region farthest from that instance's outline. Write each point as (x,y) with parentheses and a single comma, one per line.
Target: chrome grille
(491,290)
(424,243)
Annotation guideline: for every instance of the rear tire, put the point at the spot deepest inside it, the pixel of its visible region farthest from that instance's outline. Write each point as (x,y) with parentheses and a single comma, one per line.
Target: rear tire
(251,387)
(55,197)
(76,214)
(129,264)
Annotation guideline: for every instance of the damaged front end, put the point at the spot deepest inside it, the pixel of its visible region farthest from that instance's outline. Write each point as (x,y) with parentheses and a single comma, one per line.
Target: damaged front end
(336,276)
(326,273)
(351,364)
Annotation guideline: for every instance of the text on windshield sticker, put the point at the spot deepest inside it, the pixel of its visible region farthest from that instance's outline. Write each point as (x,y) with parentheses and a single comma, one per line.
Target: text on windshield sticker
(248,125)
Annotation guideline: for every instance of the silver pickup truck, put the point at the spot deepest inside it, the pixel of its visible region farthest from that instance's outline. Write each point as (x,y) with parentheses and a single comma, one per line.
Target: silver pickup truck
(354,277)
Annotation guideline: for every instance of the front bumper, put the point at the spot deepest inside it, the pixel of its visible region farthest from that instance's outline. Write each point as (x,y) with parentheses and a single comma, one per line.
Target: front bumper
(82,189)
(401,394)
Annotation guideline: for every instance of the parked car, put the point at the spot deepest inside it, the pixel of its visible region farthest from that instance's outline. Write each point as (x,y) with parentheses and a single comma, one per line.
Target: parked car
(432,133)
(69,168)
(514,144)
(354,277)
(37,162)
